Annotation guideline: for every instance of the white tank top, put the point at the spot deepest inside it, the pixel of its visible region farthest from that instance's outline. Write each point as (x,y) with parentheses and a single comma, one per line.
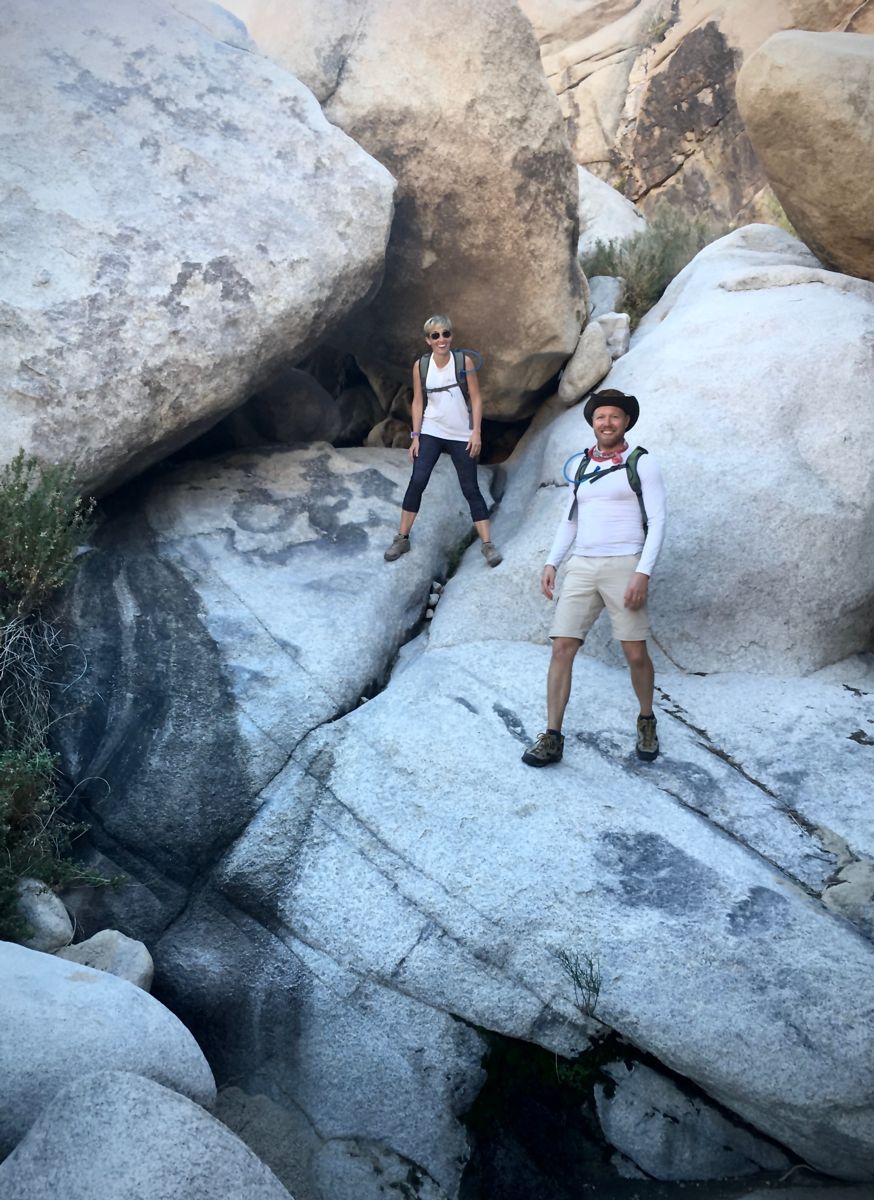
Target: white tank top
(446,414)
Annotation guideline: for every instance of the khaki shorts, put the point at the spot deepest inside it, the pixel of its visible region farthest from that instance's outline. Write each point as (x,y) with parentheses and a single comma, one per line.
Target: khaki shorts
(591,584)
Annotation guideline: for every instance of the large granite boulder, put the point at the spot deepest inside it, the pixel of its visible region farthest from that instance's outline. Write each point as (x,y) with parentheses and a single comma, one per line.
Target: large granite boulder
(60,1021)
(805,101)
(765,566)
(423,890)
(648,92)
(180,219)
(242,602)
(114,1134)
(454,103)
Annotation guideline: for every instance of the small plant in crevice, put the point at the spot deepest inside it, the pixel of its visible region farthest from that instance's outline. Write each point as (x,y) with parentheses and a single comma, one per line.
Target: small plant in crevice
(42,522)
(649,260)
(584,973)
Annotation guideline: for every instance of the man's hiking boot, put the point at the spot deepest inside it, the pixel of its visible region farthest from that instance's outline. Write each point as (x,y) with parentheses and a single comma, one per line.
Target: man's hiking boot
(491,553)
(647,738)
(548,748)
(399,546)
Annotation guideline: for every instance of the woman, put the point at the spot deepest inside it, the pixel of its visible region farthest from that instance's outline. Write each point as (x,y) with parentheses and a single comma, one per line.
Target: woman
(444,422)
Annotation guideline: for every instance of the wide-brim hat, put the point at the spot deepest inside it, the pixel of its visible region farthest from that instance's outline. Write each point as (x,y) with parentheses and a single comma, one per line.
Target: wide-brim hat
(615,399)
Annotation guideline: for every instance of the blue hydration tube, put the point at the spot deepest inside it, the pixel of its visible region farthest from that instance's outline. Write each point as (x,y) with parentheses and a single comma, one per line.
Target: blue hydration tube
(570,478)
(477,361)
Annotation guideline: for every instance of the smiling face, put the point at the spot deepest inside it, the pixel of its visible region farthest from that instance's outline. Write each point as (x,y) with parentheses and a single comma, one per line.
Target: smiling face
(609,424)
(439,340)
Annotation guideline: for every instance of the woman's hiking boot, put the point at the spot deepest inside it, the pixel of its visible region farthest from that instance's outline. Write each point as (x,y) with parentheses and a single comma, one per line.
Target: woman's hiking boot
(647,738)
(399,546)
(491,553)
(548,748)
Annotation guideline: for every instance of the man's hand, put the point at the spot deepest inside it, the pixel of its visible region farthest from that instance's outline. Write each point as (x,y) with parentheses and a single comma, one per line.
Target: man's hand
(635,593)
(547,581)
(474,445)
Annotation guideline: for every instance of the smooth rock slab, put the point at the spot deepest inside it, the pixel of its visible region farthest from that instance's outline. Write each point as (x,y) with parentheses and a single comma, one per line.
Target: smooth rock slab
(180,220)
(368,1083)
(60,1021)
(713,960)
(671,1135)
(719,368)
(243,601)
(114,1134)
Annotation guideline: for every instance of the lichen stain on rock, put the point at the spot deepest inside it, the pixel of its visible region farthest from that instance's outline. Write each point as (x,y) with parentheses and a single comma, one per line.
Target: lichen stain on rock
(760,912)
(649,872)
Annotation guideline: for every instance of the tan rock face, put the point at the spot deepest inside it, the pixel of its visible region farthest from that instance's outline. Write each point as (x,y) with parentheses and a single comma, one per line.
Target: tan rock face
(453,101)
(808,103)
(648,91)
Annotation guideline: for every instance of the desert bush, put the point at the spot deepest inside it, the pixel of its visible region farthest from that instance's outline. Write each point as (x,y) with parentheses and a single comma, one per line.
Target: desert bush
(649,260)
(42,521)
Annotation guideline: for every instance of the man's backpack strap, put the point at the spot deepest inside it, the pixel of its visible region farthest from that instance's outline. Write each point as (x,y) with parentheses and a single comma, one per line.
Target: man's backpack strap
(634,483)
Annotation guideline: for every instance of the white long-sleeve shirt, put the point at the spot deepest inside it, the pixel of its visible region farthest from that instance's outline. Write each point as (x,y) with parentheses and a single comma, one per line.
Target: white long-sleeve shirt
(606,520)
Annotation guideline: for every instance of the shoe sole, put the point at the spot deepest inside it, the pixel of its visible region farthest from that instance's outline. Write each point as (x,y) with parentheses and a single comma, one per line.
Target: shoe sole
(539,762)
(647,755)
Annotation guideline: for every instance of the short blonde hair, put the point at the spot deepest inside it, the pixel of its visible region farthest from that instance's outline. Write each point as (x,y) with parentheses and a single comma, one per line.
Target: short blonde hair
(438,321)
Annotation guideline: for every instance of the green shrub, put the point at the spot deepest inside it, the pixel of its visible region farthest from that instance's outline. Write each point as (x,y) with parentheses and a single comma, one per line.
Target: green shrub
(42,521)
(649,260)
(35,836)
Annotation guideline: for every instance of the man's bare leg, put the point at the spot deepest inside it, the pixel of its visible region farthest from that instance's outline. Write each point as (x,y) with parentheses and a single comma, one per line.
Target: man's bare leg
(558,680)
(642,674)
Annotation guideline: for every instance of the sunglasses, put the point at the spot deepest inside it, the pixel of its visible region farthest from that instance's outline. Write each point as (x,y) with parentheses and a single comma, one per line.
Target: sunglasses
(434,335)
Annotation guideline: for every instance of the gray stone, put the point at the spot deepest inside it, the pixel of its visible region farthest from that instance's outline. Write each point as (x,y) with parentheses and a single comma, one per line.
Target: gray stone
(852,894)
(293,407)
(374,1081)
(671,1135)
(61,1021)
(717,365)
(608,294)
(111,951)
(390,433)
(617,331)
(181,221)
(113,1134)
(359,410)
(244,603)
(605,215)
(486,210)
(588,365)
(46,916)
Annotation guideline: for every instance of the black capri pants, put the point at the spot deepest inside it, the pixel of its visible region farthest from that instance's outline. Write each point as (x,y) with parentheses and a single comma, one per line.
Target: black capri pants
(430,449)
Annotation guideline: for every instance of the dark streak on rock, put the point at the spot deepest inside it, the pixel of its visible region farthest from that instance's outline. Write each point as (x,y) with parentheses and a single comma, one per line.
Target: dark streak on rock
(513,724)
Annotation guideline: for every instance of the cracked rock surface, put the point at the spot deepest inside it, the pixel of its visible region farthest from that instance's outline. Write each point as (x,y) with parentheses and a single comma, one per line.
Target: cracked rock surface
(180,220)
(340,896)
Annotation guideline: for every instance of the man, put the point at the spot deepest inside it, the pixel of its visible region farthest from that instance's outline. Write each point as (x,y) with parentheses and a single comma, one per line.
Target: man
(444,423)
(612,559)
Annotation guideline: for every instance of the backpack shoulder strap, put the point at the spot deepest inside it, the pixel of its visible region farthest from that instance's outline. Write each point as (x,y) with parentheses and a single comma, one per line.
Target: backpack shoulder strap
(424,363)
(634,481)
(581,470)
(461,374)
